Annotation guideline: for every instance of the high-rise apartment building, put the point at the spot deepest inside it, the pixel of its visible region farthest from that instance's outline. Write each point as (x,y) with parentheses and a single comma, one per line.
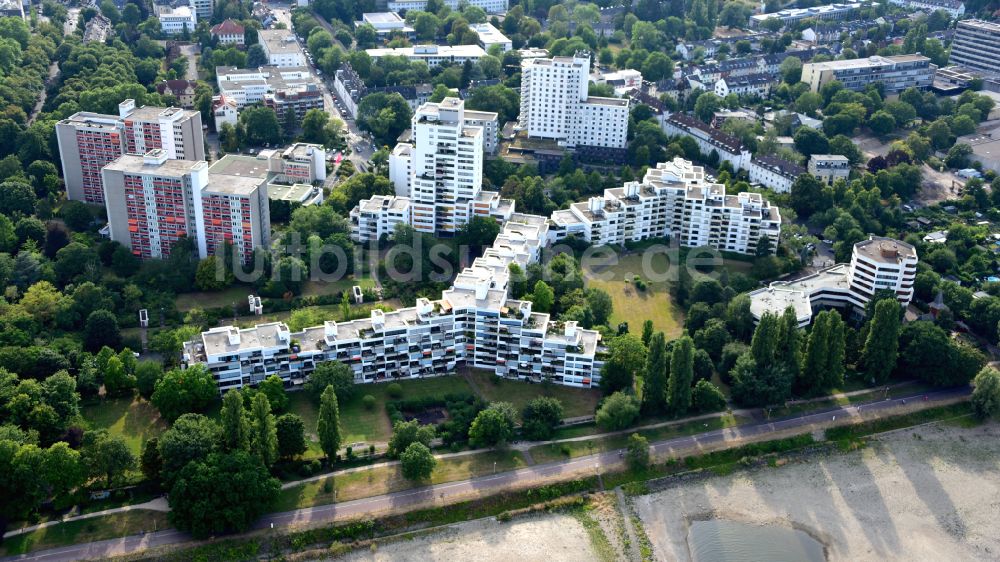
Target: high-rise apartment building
(895,73)
(977,46)
(555,105)
(153,201)
(673,200)
(203,8)
(89,141)
(876,264)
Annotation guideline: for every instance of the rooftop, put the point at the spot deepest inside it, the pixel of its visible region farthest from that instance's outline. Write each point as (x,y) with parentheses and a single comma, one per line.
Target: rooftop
(232,185)
(278,41)
(132,163)
(241,165)
(885,250)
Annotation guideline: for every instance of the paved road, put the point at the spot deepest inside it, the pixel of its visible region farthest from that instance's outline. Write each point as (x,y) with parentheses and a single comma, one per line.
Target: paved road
(506,480)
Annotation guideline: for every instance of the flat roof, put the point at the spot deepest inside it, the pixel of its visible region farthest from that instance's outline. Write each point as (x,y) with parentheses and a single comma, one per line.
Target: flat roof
(421,51)
(276,40)
(240,165)
(885,250)
(294,192)
(169,167)
(232,185)
(381,17)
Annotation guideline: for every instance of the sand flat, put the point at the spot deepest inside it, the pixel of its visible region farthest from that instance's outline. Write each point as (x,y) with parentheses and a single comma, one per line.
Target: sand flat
(930,493)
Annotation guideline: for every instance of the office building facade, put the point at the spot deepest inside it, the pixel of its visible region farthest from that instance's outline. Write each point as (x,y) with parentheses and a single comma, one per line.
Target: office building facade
(977,46)
(895,73)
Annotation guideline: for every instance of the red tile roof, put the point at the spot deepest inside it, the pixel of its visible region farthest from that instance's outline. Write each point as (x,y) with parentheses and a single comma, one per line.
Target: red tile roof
(228,27)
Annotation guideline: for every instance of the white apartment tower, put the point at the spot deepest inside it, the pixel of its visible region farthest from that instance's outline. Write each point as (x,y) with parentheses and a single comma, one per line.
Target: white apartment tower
(555,105)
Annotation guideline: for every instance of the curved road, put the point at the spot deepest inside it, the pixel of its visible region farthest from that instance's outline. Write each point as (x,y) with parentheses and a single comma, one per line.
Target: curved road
(495,483)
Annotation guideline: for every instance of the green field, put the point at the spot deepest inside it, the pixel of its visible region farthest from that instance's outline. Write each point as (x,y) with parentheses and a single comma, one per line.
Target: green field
(575,401)
(636,306)
(238,294)
(85,531)
(134,419)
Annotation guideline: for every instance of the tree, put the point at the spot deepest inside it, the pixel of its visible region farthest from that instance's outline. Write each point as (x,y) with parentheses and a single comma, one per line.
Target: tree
(331,373)
(986,393)
(191,438)
(384,115)
(291,432)
(706,106)
(789,346)
(807,195)
(150,461)
(478,232)
(147,374)
(62,470)
(627,356)
(494,425)
(706,397)
(101,330)
(263,431)
(417,462)
(540,418)
(17,197)
(261,125)
(928,353)
(184,390)
(314,127)
(809,141)
(274,388)
(760,384)
(222,493)
(600,305)
(823,366)
(116,380)
(958,156)
(882,123)
(681,375)
(637,452)
(882,344)
(712,337)
(405,433)
(618,411)
(543,297)
(328,424)
(235,424)
(647,332)
(107,455)
(654,381)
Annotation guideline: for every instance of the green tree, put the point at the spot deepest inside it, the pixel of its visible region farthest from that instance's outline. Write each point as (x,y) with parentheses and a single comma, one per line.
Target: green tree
(222,493)
(107,455)
(543,297)
(274,388)
(263,431)
(882,345)
(150,461)
(101,330)
(147,374)
(637,452)
(706,397)
(627,356)
(261,125)
(600,305)
(823,366)
(192,437)
(789,345)
(328,424)
(647,332)
(654,382)
(681,376)
(314,126)
(417,462)
(986,393)
(291,436)
(184,390)
(706,106)
(62,470)
(760,384)
(809,141)
(494,425)
(617,411)
(331,373)
(540,417)
(235,423)
(882,123)
(404,433)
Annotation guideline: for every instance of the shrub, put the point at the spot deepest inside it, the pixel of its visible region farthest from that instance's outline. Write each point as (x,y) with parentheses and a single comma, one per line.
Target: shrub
(369,402)
(395,390)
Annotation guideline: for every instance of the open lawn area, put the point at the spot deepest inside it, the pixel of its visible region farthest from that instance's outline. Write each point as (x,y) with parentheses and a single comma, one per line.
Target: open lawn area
(359,424)
(134,419)
(312,288)
(633,305)
(238,294)
(575,401)
(367,482)
(86,530)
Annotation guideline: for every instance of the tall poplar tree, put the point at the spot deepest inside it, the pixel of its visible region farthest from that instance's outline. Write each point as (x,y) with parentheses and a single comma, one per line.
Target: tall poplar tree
(263,430)
(654,382)
(328,425)
(882,346)
(235,426)
(681,375)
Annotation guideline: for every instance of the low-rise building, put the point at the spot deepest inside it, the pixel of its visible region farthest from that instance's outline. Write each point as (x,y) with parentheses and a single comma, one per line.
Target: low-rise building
(225,111)
(746,85)
(985,150)
(12,9)
(98,29)
(175,21)
(489,6)
(828,168)
(280,88)
(378,216)
(623,81)
(386,25)
(729,148)
(895,73)
(281,48)
(229,33)
(183,90)
(955,8)
(433,55)
(876,264)
(774,173)
(793,15)
(489,36)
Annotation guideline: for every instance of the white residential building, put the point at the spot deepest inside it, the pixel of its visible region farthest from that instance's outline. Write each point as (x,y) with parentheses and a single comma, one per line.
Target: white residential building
(673,200)
(433,55)
(895,73)
(489,36)
(623,81)
(225,111)
(386,24)
(489,6)
(792,15)
(774,173)
(378,216)
(555,105)
(746,85)
(728,147)
(229,33)
(955,8)
(175,21)
(876,264)
(281,48)
(828,168)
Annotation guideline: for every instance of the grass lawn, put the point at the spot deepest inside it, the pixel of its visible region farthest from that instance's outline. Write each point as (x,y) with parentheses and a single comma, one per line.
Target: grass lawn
(359,424)
(312,288)
(134,419)
(632,305)
(561,451)
(575,401)
(214,299)
(386,479)
(84,531)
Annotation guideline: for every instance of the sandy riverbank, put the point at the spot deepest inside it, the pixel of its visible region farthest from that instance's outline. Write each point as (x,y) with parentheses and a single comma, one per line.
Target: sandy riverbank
(931,494)
(535,538)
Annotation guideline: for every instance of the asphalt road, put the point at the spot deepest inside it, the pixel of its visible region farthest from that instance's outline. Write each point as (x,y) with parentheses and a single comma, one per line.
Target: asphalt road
(490,484)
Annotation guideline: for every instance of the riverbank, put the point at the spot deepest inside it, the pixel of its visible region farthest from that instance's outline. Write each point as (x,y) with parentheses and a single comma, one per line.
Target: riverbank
(924,493)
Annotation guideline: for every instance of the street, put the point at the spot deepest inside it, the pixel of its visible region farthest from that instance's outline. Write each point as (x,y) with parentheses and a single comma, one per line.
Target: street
(520,478)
